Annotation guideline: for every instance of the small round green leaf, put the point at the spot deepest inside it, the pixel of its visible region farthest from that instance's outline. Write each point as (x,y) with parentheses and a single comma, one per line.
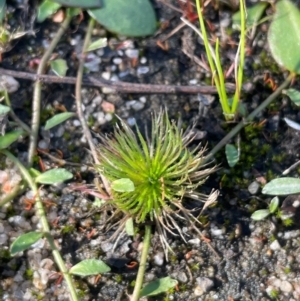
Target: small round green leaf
(9,138)
(274,204)
(53,176)
(294,95)
(258,215)
(232,154)
(80,3)
(4,109)
(158,286)
(100,43)
(59,67)
(58,119)
(282,186)
(133,18)
(122,185)
(47,9)
(89,267)
(284,35)
(24,241)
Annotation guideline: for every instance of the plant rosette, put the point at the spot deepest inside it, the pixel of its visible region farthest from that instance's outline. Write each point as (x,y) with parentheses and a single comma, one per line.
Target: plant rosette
(149,177)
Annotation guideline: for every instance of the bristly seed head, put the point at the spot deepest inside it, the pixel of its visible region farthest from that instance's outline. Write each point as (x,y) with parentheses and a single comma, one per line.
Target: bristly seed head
(161,167)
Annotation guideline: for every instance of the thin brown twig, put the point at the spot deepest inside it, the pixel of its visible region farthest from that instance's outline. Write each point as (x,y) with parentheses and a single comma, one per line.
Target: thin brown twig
(119,87)
(36,103)
(78,86)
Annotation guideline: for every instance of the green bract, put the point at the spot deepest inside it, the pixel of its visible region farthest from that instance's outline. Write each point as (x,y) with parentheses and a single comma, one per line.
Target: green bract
(161,167)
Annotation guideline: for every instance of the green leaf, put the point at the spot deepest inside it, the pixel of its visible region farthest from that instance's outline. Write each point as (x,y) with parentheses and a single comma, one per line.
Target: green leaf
(89,267)
(274,204)
(53,176)
(284,35)
(58,119)
(34,172)
(24,241)
(4,109)
(2,10)
(47,9)
(122,185)
(9,138)
(254,14)
(100,43)
(282,186)
(80,3)
(158,286)
(59,67)
(232,154)
(129,227)
(72,12)
(129,18)
(258,215)
(294,95)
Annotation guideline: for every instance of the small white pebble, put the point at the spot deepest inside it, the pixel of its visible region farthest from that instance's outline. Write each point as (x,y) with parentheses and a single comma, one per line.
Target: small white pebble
(275,245)
(143,99)
(43,144)
(131,121)
(159,258)
(76,123)
(106,75)
(143,60)
(117,61)
(142,70)
(132,53)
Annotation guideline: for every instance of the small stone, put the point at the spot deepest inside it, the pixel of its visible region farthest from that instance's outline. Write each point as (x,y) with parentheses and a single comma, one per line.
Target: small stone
(159,259)
(106,75)
(60,131)
(76,123)
(143,99)
(286,287)
(253,187)
(117,61)
(195,242)
(92,62)
(8,83)
(182,277)
(132,53)
(131,121)
(143,60)
(204,285)
(193,81)
(275,245)
(43,144)
(142,70)
(3,239)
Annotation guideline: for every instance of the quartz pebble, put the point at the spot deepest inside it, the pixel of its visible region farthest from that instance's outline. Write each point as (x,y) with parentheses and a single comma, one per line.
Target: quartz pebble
(204,285)
(253,187)
(159,258)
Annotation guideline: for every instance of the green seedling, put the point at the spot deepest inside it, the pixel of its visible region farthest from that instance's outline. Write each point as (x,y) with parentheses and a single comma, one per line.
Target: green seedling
(264,213)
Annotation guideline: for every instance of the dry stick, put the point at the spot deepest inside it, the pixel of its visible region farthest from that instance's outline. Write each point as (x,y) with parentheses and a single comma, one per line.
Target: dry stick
(85,128)
(248,119)
(36,104)
(120,87)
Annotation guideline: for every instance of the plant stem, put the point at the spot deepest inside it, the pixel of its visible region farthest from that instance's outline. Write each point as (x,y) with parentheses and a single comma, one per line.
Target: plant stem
(23,125)
(240,60)
(36,104)
(142,267)
(249,118)
(79,78)
(46,229)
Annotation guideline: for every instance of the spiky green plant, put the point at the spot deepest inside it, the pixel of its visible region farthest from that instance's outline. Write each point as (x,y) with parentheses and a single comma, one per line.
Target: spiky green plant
(161,167)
